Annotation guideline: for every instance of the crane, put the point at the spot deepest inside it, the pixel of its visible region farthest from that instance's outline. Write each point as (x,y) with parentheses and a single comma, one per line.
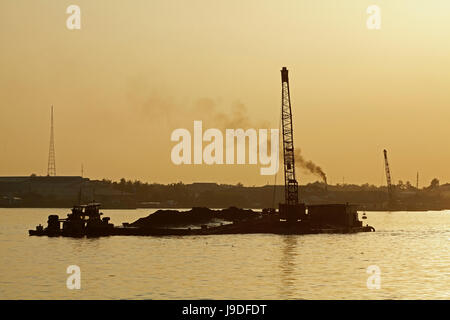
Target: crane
(388,177)
(291,210)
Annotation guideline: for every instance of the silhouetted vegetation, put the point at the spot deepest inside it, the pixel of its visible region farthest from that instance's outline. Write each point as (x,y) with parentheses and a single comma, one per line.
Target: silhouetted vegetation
(37,191)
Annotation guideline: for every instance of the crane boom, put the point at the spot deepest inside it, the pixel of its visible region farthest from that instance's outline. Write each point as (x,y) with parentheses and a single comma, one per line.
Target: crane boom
(291,210)
(388,176)
(290,183)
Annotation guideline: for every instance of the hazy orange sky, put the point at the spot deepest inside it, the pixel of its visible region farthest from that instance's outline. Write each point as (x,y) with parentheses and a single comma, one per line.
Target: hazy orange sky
(139,69)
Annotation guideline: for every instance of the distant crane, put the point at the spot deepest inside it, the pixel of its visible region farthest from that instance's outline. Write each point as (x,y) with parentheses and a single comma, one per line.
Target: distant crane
(388,177)
(291,210)
(51,169)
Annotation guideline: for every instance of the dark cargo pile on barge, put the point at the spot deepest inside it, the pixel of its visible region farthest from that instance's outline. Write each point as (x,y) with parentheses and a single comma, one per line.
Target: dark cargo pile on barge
(195,216)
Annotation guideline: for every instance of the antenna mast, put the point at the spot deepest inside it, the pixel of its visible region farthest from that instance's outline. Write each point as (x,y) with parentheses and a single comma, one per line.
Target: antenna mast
(417,181)
(51,169)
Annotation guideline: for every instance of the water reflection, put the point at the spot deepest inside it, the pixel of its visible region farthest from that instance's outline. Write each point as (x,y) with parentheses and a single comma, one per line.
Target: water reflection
(288,266)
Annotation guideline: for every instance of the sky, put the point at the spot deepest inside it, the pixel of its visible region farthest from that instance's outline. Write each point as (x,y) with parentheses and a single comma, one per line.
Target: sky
(138,70)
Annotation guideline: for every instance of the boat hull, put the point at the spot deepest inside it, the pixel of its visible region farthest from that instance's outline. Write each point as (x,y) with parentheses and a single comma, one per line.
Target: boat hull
(280,228)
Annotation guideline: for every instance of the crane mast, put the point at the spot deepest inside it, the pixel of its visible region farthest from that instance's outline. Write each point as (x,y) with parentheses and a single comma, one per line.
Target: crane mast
(388,176)
(291,210)
(290,183)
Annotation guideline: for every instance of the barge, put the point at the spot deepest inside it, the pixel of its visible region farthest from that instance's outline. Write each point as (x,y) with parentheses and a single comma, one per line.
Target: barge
(86,220)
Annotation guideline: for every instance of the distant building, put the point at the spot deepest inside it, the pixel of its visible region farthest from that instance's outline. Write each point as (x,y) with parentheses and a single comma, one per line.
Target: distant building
(42,185)
(60,191)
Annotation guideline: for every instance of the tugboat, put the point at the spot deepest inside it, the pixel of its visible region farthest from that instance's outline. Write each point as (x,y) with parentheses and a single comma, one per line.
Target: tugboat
(84,220)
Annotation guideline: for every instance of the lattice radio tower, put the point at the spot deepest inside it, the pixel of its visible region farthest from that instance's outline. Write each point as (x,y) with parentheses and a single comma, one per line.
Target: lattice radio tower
(51,169)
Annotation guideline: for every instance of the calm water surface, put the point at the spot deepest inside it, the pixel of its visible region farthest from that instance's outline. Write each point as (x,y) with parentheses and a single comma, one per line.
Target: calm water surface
(412,249)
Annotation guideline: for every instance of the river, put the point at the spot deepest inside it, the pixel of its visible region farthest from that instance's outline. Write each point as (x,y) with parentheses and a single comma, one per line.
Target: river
(410,249)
